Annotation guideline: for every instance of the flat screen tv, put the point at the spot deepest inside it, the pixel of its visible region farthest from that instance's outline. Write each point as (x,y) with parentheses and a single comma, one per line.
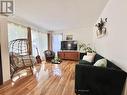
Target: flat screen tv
(68,45)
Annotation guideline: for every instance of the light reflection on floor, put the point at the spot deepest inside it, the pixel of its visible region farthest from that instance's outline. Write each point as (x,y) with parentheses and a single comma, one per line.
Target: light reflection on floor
(20,74)
(56,70)
(44,70)
(41,72)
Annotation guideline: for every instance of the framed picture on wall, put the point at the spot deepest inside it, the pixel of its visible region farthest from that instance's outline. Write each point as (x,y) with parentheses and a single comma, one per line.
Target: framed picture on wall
(69,37)
(101,28)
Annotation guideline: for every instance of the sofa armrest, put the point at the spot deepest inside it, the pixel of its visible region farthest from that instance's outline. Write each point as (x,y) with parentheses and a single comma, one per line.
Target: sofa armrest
(98,80)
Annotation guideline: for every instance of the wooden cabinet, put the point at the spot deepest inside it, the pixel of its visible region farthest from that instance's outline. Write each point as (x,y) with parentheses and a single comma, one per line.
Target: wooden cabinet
(69,55)
(61,55)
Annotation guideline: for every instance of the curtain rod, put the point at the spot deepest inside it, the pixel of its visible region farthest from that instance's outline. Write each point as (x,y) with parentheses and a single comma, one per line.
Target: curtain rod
(17,24)
(25,26)
(22,25)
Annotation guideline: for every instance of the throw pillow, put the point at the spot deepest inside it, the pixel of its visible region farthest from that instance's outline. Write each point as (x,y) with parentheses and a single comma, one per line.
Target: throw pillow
(101,63)
(92,54)
(88,58)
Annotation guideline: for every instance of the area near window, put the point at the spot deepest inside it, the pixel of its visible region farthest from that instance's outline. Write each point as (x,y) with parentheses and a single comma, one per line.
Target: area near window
(56,42)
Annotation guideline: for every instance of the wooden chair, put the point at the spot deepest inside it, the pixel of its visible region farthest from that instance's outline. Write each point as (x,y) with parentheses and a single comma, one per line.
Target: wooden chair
(19,56)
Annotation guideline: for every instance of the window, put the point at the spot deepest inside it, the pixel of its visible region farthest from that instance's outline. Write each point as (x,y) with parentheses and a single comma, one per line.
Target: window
(40,42)
(39,39)
(16,31)
(57,38)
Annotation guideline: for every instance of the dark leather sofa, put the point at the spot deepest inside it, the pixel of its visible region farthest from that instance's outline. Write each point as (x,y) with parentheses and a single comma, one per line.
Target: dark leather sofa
(91,80)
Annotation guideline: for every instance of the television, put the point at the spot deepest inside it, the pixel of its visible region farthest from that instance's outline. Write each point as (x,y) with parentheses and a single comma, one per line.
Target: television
(68,45)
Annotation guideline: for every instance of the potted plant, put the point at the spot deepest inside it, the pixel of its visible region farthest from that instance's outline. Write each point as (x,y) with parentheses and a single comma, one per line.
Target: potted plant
(56,60)
(85,48)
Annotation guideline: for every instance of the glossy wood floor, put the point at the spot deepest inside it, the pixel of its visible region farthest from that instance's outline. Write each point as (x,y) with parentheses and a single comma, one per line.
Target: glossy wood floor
(48,79)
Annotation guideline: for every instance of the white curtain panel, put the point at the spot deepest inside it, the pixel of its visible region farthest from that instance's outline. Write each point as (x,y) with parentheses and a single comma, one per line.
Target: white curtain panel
(57,38)
(16,31)
(39,41)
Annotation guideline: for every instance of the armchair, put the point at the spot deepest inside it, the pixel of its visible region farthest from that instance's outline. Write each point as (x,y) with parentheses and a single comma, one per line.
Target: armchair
(49,55)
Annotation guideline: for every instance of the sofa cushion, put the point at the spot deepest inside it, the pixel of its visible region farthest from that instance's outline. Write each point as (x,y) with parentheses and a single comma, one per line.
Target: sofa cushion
(85,62)
(97,57)
(81,55)
(101,63)
(89,58)
(112,66)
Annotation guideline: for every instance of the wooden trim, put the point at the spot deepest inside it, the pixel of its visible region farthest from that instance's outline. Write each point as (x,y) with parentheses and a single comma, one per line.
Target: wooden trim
(30,40)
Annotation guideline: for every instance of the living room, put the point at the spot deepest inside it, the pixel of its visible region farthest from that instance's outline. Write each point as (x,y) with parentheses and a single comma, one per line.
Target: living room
(47,25)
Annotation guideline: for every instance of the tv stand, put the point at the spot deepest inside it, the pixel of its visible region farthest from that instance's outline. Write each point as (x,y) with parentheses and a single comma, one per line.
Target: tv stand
(69,55)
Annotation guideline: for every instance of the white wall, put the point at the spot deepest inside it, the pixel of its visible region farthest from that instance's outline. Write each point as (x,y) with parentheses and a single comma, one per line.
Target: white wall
(4,49)
(79,34)
(114,46)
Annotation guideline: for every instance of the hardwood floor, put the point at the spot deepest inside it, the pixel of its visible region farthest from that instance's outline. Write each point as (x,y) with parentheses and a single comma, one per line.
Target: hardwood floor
(48,79)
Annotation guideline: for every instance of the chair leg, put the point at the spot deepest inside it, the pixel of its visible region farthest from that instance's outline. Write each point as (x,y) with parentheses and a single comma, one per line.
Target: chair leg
(12,74)
(31,70)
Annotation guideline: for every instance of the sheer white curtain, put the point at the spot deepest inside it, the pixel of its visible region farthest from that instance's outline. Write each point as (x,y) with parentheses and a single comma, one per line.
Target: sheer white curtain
(16,31)
(43,42)
(39,41)
(57,38)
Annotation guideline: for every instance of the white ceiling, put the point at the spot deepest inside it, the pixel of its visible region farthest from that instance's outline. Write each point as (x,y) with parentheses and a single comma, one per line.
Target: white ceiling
(60,14)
